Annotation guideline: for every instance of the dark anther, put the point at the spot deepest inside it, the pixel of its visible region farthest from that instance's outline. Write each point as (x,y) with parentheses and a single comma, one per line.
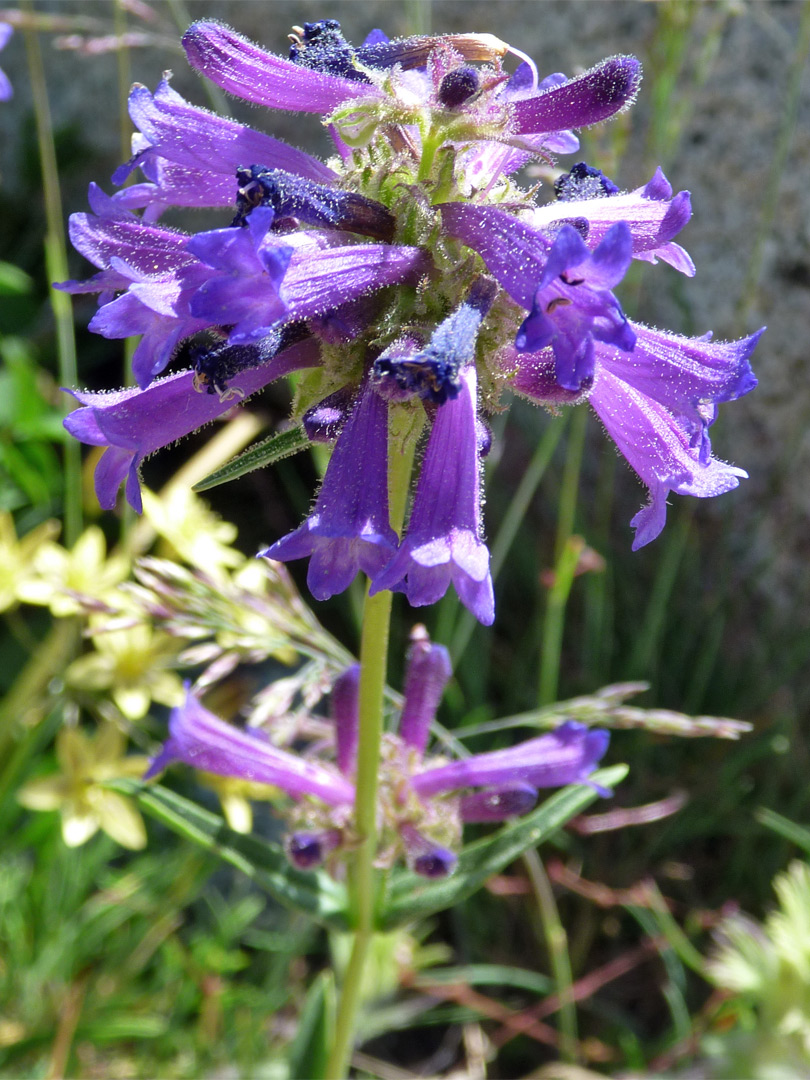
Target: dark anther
(584,182)
(321,46)
(458,86)
(215,367)
(310,203)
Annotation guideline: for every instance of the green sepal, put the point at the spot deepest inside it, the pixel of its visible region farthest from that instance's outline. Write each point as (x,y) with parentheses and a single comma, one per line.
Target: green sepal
(266,452)
(309,1051)
(311,891)
(411,897)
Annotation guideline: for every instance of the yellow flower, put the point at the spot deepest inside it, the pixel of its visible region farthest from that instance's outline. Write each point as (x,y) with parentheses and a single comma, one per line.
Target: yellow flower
(17,557)
(78,791)
(133,665)
(198,536)
(64,577)
(234,796)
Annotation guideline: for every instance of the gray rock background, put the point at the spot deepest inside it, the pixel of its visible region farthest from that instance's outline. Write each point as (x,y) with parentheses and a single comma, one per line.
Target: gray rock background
(712,111)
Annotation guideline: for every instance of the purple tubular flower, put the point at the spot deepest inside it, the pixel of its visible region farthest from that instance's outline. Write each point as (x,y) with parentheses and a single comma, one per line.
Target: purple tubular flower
(246,71)
(443,541)
(263,278)
(573,305)
(6,89)
(204,149)
(601,92)
(567,755)
(307,850)
(660,446)
(133,423)
(348,530)
(657,404)
(427,674)
(200,739)
(343,707)
(424,857)
(497,804)
(653,215)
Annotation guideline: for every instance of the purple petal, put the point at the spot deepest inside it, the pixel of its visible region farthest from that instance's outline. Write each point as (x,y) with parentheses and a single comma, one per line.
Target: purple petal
(514,252)
(567,755)
(307,850)
(443,542)
(201,140)
(245,70)
(427,674)
(594,96)
(133,423)
(202,740)
(497,804)
(660,447)
(348,530)
(425,857)
(344,710)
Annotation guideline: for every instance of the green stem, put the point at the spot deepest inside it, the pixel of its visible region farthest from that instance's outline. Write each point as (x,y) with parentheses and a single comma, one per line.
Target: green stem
(557,942)
(362,882)
(56,268)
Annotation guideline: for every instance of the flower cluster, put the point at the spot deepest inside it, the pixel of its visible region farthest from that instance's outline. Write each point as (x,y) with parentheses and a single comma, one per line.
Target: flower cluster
(423,801)
(410,274)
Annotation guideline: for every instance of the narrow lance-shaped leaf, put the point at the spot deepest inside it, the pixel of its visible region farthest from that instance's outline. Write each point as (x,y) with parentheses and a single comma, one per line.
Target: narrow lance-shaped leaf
(314,893)
(266,452)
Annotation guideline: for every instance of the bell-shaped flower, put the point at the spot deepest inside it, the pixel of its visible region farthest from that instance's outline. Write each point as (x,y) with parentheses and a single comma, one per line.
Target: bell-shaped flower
(190,155)
(348,529)
(443,541)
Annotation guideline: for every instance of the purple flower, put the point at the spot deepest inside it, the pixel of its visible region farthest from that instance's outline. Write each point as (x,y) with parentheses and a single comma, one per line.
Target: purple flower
(423,803)
(190,156)
(246,71)
(134,423)
(567,755)
(198,738)
(6,89)
(573,306)
(443,541)
(426,676)
(348,530)
(657,403)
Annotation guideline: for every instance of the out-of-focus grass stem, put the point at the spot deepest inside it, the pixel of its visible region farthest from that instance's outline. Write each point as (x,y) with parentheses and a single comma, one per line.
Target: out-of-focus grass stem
(784,140)
(512,519)
(567,550)
(56,268)
(557,942)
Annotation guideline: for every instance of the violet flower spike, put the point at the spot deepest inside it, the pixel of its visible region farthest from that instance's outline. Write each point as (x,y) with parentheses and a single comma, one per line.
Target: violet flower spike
(348,530)
(443,541)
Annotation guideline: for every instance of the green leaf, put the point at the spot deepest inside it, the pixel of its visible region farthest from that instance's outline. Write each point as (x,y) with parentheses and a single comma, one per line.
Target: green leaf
(411,897)
(266,452)
(797,834)
(312,892)
(309,1052)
